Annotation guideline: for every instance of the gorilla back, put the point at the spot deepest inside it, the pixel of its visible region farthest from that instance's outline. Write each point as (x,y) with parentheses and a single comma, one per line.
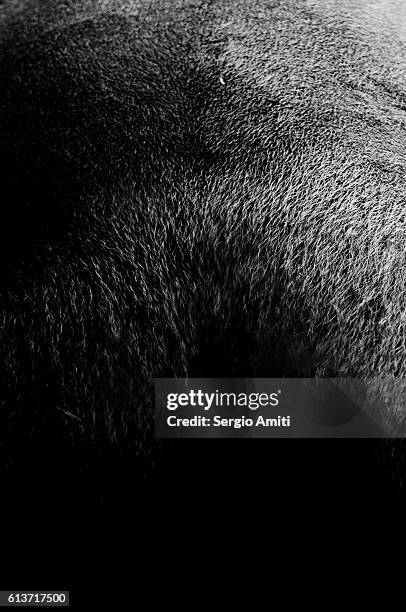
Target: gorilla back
(195,188)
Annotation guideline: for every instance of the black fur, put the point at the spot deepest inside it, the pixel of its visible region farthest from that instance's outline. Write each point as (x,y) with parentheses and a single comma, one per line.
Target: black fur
(194,189)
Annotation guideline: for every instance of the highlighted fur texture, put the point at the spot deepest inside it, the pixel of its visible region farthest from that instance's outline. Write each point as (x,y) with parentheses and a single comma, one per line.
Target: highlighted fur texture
(195,189)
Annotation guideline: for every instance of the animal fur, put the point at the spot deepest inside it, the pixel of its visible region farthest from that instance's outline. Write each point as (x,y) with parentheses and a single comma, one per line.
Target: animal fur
(195,188)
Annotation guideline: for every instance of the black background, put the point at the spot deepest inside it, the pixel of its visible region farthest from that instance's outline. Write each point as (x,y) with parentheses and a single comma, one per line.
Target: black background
(105,533)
